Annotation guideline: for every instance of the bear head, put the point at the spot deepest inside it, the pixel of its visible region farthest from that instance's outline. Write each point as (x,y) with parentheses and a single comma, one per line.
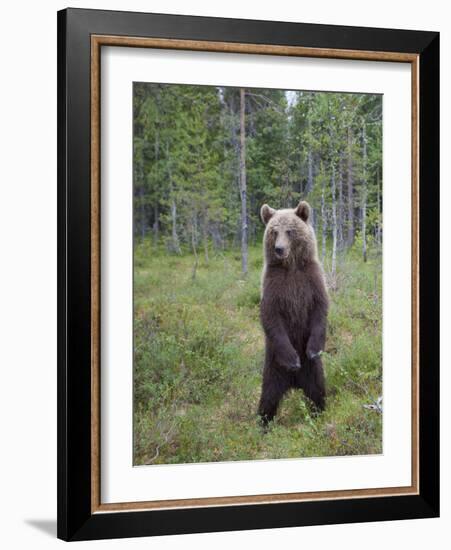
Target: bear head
(289,238)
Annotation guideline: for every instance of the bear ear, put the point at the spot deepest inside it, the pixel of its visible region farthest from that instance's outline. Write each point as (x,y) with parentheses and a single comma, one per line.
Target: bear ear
(303,210)
(266,213)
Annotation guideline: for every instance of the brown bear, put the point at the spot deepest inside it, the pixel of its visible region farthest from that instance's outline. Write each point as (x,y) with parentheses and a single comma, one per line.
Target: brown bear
(293,309)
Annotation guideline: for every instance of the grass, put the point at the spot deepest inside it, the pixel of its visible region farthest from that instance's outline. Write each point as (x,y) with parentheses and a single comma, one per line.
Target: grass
(199,355)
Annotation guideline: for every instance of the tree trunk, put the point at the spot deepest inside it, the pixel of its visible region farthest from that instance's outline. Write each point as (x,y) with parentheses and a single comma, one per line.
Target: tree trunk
(218,241)
(175,237)
(143,211)
(310,171)
(350,236)
(156,221)
(340,237)
(334,222)
(175,245)
(142,197)
(206,240)
(309,186)
(364,193)
(243,189)
(235,237)
(323,220)
(379,210)
(301,174)
(194,246)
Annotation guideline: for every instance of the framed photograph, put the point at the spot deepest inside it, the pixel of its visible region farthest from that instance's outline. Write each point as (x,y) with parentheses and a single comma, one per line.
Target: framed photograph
(248,274)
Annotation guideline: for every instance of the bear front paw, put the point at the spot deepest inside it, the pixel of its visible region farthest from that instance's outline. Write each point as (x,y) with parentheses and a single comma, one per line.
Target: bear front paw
(288,359)
(312,355)
(296,365)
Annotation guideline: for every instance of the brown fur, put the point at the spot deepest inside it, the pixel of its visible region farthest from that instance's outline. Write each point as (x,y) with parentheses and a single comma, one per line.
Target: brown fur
(293,309)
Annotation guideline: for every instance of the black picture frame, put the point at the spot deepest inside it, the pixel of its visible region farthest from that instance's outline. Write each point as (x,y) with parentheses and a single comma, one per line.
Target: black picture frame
(75,518)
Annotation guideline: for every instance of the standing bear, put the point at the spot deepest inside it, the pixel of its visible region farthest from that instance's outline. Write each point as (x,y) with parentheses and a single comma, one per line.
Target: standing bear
(293,309)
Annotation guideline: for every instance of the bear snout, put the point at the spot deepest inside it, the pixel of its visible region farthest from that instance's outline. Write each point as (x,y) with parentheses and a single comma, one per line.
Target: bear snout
(280,251)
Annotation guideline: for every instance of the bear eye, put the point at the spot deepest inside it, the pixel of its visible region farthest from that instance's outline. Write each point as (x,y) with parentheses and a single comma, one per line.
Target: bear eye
(288,232)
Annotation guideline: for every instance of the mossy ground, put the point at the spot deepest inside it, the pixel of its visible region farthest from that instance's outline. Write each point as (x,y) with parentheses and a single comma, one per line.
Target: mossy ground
(199,355)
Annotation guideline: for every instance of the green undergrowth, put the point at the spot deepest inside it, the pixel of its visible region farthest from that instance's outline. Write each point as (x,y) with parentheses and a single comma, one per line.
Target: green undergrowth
(199,355)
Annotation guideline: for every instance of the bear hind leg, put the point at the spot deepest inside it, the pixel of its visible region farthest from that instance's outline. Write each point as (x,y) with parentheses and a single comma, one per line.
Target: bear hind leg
(273,389)
(314,384)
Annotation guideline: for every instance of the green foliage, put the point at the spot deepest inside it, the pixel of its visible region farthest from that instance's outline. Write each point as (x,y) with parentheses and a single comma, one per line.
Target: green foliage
(199,354)
(186,161)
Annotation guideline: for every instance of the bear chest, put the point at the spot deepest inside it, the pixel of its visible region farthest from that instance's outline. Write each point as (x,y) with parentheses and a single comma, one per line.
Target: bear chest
(293,294)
